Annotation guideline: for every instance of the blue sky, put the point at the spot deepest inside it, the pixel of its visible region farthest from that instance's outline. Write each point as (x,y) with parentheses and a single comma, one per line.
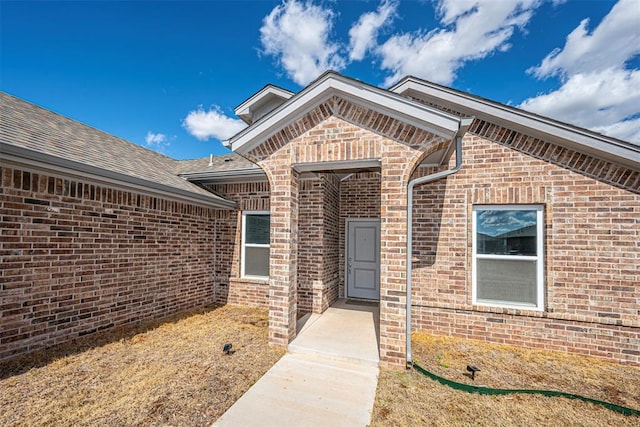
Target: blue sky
(167,75)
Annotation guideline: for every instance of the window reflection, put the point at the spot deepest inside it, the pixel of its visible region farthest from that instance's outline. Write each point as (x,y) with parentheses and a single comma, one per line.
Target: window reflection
(506,232)
(257,229)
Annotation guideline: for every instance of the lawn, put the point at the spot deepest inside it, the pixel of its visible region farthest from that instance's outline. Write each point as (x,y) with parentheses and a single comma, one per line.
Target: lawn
(409,398)
(171,372)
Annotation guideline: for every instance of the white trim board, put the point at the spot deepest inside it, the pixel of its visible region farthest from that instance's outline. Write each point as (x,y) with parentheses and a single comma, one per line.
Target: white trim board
(333,84)
(562,134)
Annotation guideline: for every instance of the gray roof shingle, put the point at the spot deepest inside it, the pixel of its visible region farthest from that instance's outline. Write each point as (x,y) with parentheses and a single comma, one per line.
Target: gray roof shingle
(225,162)
(26,125)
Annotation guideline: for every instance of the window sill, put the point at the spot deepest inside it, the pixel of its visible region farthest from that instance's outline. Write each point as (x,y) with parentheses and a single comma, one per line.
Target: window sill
(509,309)
(251,279)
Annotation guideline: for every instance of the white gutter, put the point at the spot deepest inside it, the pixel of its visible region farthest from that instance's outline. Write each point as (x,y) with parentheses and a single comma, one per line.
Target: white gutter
(464,125)
(36,159)
(234,175)
(573,137)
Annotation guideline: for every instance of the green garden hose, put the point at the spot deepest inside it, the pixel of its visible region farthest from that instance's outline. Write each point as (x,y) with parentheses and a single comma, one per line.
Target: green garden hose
(499,391)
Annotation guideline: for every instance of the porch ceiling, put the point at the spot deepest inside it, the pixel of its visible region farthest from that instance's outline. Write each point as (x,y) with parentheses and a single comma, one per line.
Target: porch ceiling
(341,169)
(346,166)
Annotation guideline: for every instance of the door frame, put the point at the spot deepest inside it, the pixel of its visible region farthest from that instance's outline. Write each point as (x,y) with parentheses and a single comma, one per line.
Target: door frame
(346,252)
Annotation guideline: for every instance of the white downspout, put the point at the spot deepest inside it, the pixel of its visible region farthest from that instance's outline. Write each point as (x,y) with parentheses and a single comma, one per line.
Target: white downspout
(464,125)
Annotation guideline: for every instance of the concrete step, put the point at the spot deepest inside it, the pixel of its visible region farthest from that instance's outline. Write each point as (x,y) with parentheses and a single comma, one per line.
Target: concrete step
(342,332)
(338,356)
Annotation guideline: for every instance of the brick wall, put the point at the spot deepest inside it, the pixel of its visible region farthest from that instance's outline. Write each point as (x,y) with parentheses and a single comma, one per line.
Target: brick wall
(283,273)
(336,131)
(310,249)
(80,257)
(318,262)
(592,287)
(331,257)
(591,232)
(317,287)
(230,286)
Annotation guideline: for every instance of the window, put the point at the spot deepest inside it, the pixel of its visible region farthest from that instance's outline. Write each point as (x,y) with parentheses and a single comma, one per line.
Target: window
(255,244)
(508,256)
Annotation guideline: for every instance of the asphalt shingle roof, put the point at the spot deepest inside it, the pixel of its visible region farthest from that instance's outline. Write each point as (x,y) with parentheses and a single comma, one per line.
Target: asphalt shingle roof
(225,162)
(26,125)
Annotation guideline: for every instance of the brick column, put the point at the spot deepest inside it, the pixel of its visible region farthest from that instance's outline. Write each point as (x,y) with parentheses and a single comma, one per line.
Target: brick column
(283,280)
(398,162)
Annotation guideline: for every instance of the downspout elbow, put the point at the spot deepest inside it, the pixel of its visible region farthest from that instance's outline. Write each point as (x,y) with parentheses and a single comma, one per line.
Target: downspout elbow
(464,125)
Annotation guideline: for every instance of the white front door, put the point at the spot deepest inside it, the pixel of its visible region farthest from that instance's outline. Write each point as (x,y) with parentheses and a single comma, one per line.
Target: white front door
(363,258)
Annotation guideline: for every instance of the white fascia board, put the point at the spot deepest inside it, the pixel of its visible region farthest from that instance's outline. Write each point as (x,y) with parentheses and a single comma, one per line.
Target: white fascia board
(238,175)
(424,117)
(565,135)
(244,109)
(26,157)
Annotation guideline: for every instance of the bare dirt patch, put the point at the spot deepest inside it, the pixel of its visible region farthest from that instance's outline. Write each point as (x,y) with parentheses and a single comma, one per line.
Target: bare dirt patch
(409,398)
(168,373)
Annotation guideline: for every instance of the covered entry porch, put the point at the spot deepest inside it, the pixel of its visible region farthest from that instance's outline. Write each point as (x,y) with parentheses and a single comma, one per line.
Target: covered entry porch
(339,236)
(338,126)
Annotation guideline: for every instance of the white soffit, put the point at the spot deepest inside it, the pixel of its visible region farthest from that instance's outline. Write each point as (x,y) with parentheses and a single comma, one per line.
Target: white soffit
(332,84)
(269,95)
(337,165)
(230,176)
(562,134)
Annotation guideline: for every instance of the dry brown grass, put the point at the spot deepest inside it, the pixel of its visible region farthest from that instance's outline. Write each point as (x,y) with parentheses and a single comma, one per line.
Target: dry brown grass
(170,373)
(409,398)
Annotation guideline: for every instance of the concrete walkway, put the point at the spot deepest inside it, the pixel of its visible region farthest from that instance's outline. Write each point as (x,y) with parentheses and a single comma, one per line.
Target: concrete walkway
(328,377)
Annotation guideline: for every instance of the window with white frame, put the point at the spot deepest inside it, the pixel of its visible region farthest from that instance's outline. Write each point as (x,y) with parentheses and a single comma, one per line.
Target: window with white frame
(255,244)
(508,256)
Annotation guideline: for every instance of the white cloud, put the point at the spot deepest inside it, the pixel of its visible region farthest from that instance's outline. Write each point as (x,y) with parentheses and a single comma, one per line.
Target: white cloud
(595,100)
(363,34)
(155,138)
(628,130)
(212,123)
(477,28)
(298,34)
(611,44)
(157,141)
(598,91)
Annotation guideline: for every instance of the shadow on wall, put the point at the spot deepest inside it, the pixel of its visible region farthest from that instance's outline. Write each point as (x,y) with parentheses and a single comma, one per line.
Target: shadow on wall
(226,251)
(428,207)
